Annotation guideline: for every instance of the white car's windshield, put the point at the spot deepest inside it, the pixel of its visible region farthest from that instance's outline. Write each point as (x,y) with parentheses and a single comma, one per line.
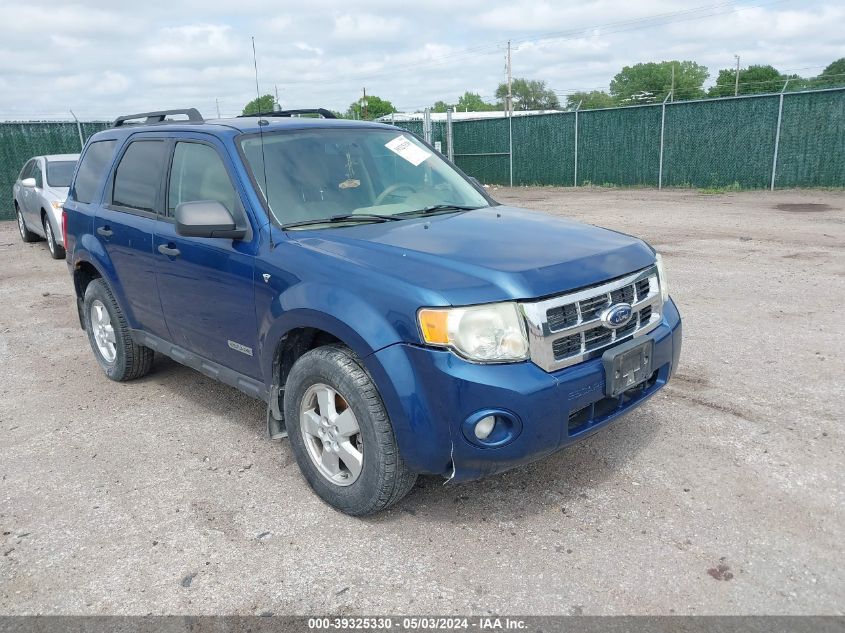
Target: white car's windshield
(372,173)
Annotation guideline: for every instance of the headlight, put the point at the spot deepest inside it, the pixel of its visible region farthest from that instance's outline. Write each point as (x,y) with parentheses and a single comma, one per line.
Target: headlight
(487,333)
(661,278)
(57,204)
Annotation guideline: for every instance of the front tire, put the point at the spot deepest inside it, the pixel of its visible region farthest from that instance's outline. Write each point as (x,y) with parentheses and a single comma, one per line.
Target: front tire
(26,234)
(57,251)
(119,356)
(341,435)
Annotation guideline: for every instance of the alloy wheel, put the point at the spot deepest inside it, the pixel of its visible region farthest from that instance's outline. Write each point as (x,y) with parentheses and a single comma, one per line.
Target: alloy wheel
(103,331)
(21,225)
(51,239)
(331,434)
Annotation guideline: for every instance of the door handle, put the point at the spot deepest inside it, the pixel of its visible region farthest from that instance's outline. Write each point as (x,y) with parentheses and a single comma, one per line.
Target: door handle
(170,251)
(105,231)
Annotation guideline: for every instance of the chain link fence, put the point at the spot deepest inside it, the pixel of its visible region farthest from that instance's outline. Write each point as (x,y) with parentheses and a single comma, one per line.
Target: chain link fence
(794,139)
(21,141)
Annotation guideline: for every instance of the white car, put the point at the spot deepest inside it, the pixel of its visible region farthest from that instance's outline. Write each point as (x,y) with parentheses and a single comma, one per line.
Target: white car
(39,192)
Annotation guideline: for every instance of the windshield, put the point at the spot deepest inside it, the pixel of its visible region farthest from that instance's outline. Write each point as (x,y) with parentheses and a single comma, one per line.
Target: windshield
(324,173)
(60,172)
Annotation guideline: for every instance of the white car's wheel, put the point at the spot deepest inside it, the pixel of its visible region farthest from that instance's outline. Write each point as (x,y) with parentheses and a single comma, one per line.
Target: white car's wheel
(57,251)
(26,234)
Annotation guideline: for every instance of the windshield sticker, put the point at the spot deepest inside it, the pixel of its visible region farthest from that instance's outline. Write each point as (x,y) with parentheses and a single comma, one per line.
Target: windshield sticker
(406,149)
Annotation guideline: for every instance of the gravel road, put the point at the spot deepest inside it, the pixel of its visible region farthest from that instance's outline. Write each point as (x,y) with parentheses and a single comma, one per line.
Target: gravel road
(723,495)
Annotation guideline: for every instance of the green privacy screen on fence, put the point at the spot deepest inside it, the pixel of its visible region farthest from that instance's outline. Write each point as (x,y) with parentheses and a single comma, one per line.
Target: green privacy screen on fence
(619,146)
(718,143)
(812,141)
(708,143)
(21,141)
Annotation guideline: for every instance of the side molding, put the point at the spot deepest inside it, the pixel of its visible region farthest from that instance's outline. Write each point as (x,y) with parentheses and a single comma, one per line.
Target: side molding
(245,384)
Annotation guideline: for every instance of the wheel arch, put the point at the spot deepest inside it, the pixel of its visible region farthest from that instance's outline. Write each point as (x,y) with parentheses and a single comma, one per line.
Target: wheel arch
(84,272)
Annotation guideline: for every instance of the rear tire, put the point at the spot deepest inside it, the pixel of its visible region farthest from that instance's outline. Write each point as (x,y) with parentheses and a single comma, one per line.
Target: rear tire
(119,356)
(57,251)
(341,435)
(26,234)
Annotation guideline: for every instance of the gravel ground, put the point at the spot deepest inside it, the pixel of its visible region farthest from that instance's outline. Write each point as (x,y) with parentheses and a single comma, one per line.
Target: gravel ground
(722,495)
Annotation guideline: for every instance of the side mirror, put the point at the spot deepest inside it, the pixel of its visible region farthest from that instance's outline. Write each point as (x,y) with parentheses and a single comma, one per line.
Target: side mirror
(28,182)
(206,218)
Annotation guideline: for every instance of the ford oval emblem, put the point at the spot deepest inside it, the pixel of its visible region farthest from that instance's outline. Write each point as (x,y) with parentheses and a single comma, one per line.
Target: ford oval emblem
(617,315)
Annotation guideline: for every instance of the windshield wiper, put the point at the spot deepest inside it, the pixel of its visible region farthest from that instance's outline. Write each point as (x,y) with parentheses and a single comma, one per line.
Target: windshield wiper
(345,217)
(440,207)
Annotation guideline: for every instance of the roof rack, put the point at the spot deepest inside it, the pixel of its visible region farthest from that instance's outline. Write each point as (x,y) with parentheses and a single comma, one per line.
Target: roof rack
(326,114)
(158,117)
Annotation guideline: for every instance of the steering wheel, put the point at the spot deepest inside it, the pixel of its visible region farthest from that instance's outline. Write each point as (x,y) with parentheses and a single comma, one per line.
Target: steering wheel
(391,190)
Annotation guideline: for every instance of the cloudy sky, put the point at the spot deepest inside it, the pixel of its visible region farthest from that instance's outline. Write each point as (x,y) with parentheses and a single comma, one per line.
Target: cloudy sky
(106,57)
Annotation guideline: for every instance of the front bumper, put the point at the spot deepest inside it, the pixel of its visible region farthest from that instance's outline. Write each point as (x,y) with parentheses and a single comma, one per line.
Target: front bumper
(430,393)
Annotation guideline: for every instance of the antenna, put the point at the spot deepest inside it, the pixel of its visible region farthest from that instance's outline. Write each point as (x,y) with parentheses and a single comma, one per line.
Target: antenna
(261,124)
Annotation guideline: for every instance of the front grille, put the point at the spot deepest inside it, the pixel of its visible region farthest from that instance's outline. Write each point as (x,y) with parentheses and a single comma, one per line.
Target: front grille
(567,346)
(569,329)
(591,308)
(562,316)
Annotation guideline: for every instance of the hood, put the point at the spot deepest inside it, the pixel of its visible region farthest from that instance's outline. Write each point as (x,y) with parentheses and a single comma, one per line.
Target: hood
(491,254)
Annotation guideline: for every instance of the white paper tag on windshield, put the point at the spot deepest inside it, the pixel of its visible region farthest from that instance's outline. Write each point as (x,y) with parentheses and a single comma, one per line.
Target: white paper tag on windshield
(406,149)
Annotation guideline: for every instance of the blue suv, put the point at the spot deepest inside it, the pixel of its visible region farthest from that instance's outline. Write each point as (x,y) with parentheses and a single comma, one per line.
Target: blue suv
(395,319)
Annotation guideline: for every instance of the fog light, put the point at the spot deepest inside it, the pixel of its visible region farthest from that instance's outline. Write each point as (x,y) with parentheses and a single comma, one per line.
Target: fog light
(484,427)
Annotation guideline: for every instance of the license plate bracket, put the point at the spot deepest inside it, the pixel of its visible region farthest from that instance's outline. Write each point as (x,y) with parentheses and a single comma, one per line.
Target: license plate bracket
(627,365)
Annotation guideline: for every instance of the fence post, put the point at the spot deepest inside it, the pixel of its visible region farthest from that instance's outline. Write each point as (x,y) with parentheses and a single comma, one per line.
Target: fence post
(662,129)
(578,107)
(78,130)
(449,149)
(777,137)
(510,146)
(427,125)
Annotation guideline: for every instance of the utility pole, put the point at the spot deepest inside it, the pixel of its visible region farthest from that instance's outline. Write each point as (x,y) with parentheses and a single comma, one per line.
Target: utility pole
(217,105)
(672,92)
(510,94)
(736,82)
(364,105)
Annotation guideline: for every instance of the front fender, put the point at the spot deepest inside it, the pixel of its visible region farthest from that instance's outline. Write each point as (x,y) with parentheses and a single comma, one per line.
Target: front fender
(359,323)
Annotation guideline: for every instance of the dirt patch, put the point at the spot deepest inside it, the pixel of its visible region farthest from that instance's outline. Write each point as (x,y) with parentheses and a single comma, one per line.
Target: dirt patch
(804,207)
(721,571)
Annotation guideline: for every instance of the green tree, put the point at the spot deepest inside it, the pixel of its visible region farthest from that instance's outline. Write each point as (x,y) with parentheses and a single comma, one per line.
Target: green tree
(589,100)
(528,94)
(472,102)
(752,80)
(258,105)
(652,81)
(376,107)
(440,106)
(832,77)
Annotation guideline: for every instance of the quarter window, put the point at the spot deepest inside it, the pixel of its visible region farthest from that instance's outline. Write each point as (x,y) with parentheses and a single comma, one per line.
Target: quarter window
(137,179)
(198,173)
(94,163)
(26,172)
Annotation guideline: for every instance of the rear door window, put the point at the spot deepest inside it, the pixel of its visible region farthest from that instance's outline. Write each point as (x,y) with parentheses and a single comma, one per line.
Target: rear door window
(94,162)
(137,179)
